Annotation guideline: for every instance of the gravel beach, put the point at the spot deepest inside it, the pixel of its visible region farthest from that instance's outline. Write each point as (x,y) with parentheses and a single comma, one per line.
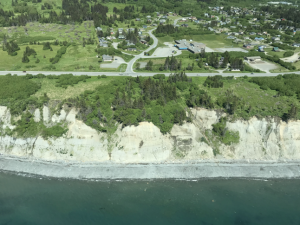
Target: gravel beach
(185,170)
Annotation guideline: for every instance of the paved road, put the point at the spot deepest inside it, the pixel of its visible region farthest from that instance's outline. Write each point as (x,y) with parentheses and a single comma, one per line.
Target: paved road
(131,62)
(134,74)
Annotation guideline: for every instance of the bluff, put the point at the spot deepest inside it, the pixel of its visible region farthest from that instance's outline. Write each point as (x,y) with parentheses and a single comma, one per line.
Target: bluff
(259,139)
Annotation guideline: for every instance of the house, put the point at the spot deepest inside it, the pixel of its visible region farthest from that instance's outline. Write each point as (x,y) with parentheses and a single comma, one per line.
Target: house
(259,39)
(252,33)
(296,45)
(148,17)
(144,26)
(129,43)
(231,37)
(131,49)
(110,37)
(253,58)
(248,46)
(120,30)
(184,25)
(130,29)
(121,36)
(149,20)
(98,29)
(175,14)
(103,43)
(162,21)
(261,49)
(276,49)
(107,58)
(144,41)
(275,38)
(137,19)
(183,20)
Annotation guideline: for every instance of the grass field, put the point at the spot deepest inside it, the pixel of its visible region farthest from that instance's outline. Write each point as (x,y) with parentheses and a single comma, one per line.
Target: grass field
(59,93)
(77,58)
(262,101)
(297,64)
(272,53)
(49,32)
(211,40)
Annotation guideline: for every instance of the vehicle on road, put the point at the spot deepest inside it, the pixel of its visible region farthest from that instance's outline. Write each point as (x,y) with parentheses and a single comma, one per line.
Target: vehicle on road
(252,73)
(24,71)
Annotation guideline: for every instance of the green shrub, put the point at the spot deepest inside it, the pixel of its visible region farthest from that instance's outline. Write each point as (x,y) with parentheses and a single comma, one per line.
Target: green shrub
(159,76)
(288,54)
(55,131)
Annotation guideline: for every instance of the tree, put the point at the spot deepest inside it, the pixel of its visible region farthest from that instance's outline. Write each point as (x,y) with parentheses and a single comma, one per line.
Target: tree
(25,59)
(203,53)
(138,66)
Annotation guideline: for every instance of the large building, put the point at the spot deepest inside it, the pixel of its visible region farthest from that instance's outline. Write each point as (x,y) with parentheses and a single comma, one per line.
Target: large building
(193,47)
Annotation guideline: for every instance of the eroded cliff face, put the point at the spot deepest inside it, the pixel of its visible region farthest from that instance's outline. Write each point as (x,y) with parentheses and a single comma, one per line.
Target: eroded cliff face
(259,140)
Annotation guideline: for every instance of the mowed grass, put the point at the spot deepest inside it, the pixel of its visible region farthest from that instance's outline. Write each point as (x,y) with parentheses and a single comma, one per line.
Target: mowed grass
(211,40)
(59,93)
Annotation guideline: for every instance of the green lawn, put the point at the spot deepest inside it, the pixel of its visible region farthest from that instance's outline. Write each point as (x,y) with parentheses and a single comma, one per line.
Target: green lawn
(211,40)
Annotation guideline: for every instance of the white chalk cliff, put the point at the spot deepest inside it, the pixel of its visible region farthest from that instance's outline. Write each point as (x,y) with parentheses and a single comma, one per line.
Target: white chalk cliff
(266,139)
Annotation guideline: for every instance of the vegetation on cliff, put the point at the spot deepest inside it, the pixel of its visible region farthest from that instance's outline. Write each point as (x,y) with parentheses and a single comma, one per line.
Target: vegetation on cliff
(164,101)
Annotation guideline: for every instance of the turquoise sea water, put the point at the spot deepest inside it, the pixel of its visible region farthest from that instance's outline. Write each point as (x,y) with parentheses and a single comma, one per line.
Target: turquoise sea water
(26,200)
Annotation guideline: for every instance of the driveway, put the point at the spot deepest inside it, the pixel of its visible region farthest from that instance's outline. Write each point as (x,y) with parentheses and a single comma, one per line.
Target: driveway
(263,66)
(114,64)
(231,50)
(292,58)
(165,51)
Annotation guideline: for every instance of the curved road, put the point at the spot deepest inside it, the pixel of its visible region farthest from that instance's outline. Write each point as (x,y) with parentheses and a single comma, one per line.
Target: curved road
(129,68)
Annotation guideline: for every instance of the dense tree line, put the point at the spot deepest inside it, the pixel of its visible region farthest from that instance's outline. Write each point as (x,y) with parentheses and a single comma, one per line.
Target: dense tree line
(214,82)
(166,29)
(287,84)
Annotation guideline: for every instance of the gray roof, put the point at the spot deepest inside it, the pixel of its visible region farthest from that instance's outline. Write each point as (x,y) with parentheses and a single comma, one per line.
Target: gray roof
(107,57)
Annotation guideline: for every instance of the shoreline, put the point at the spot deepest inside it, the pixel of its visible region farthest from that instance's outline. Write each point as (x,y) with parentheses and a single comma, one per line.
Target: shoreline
(179,170)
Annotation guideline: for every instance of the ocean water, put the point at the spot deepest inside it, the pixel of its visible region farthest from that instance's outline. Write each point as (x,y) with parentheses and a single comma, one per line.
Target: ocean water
(28,200)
